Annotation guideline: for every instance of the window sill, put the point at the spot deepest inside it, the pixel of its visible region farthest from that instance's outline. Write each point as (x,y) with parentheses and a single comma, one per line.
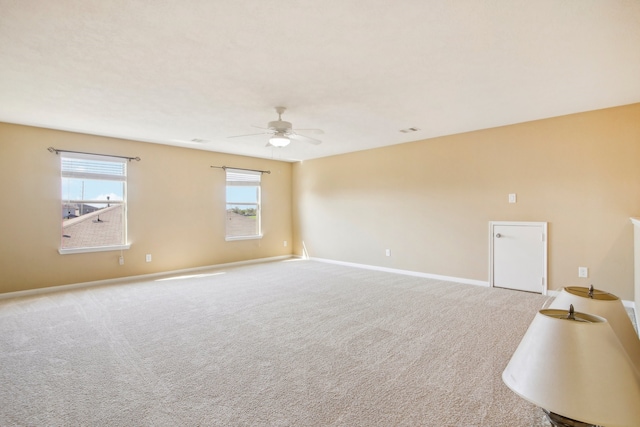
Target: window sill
(231,239)
(62,251)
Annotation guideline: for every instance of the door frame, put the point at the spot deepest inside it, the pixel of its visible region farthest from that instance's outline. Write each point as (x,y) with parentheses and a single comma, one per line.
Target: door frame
(545,239)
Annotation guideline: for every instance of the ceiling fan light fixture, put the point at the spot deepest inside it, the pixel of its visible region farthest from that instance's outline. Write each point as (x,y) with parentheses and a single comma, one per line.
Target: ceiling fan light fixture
(279,140)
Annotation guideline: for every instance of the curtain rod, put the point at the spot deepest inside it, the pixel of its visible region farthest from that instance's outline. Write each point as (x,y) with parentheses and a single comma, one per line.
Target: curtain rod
(55,150)
(240,169)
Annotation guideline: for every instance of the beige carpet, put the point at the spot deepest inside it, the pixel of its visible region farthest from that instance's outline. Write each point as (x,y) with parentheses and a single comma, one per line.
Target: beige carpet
(295,343)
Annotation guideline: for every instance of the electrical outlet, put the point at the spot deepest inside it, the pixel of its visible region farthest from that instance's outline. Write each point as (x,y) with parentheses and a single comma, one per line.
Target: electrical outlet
(512,198)
(583,272)
(148,258)
(387,252)
(121,260)
(285,243)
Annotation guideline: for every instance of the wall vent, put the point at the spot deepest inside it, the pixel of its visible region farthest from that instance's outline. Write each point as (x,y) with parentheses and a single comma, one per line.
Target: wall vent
(408,130)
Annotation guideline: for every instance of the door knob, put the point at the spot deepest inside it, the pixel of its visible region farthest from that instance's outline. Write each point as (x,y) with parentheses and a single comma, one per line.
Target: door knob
(498,235)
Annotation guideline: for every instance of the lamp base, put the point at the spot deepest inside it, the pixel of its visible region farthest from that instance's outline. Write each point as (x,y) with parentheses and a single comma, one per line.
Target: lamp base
(560,421)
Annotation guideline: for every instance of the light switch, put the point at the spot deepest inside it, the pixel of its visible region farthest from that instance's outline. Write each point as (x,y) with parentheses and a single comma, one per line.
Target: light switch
(512,198)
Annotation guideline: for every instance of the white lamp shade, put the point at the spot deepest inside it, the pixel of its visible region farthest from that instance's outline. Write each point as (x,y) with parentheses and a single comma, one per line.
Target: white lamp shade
(577,369)
(279,140)
(605,305)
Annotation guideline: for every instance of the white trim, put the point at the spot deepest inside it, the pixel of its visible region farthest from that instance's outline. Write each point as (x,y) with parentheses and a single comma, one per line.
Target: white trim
(632,306)
(636,223)
(231,239)
(118,280)
(545,237)
(405,272)
(635,312)
(68,251)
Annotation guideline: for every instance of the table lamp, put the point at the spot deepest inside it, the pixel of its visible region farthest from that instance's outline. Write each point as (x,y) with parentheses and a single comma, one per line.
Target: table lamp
(573,366)
(609,306)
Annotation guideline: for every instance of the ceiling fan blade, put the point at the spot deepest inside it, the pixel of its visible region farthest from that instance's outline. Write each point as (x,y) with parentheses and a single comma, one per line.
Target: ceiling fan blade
(249,134)
(316,131)
(303,138)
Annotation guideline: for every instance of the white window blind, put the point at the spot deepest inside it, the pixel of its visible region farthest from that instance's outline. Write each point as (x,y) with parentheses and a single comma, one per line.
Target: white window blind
(115,169)
(240,177)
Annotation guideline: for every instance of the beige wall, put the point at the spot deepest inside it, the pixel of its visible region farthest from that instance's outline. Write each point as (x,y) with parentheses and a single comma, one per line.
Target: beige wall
(176,210)
(430,202)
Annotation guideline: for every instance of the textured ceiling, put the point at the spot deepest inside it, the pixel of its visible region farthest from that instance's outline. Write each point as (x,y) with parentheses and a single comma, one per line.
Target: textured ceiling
(165,71)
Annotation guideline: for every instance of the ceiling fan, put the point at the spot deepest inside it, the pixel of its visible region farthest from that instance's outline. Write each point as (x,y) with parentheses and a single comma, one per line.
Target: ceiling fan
(282,132)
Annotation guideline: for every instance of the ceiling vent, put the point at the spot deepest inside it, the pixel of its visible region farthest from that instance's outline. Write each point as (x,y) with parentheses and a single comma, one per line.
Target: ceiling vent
(408,130)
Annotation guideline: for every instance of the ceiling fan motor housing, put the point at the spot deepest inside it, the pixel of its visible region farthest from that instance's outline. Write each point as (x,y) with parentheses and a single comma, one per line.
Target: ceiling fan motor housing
(280,126)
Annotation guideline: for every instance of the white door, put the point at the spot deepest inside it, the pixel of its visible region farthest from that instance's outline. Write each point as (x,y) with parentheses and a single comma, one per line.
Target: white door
(519,256)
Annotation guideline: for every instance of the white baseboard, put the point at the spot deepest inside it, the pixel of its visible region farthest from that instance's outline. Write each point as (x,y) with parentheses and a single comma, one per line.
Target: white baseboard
(39,291)
(552,293)
(405,272)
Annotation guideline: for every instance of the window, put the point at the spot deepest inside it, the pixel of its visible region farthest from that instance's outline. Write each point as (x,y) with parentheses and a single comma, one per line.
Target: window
(93,203)
(243,204)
